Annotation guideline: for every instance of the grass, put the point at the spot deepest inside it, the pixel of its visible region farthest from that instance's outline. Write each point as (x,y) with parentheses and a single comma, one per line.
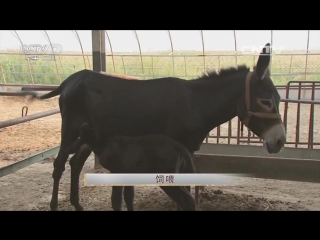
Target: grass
(15,68)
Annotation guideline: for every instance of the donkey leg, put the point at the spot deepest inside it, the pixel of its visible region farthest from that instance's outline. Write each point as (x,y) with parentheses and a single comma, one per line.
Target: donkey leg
(116,198)
(76,163)
(128,194)
(58,169)
(68,136)
(181,197)
(196,188)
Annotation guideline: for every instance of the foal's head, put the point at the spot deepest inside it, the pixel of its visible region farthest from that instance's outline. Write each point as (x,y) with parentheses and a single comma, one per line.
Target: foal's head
(86,136)
(258,108)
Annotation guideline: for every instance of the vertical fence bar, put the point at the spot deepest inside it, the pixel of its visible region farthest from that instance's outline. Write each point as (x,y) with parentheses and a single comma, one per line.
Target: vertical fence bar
(229,131)
(124,67)
(103,51)
(54,56)
(152,66)
(137,38)
(271,53)
(110,45)
(307,55)
(96,64)
(171,44)
(3,75)
(238,132)
(81,47)
(285,114)
(203,53)
(298,118)
(29,68)
(311,119)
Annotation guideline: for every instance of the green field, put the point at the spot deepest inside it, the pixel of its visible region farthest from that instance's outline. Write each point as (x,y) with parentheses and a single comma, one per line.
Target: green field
(16,69)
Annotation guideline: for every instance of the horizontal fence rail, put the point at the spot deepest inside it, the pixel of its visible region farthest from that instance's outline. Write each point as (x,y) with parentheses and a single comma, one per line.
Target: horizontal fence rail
(16,121)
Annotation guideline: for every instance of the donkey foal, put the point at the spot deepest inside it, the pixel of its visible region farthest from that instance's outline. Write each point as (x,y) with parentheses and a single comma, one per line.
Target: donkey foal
(155,153)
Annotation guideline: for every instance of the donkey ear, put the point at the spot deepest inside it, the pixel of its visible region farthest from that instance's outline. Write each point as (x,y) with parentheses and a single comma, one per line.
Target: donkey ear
(263,62)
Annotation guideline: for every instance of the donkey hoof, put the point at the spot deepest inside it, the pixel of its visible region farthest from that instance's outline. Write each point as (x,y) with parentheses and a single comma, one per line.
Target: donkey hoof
(53,207)
(79,208)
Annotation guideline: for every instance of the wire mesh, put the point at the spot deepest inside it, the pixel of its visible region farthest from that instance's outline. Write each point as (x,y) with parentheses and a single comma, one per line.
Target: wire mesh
(141,61)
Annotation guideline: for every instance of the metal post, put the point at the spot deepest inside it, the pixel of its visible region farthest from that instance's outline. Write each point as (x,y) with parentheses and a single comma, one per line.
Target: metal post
(103,50)
(96,43)
(97,67)
(271,54)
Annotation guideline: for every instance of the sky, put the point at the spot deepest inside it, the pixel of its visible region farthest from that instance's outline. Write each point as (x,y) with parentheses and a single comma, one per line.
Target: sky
(158,40)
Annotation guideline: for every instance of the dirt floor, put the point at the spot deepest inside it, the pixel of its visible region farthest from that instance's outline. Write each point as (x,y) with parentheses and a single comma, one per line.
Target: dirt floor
(30,188)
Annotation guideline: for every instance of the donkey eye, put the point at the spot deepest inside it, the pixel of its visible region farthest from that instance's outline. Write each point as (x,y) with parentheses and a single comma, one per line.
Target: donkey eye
(266,103)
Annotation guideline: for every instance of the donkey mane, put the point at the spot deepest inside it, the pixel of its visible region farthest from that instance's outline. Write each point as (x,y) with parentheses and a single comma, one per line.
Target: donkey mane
(224,72)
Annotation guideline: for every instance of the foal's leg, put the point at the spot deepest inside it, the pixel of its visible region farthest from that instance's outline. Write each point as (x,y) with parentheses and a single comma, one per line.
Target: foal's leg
(196,194)
(186,188)
(116,198)
(181,197)
(76,163)
(58,169)
(196,188)
(128,195)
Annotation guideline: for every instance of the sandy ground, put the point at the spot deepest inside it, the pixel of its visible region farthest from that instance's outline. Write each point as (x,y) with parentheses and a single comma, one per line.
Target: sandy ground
(30,188)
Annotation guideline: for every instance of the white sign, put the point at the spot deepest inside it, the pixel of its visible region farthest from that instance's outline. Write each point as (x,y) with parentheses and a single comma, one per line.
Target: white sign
(159,179)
